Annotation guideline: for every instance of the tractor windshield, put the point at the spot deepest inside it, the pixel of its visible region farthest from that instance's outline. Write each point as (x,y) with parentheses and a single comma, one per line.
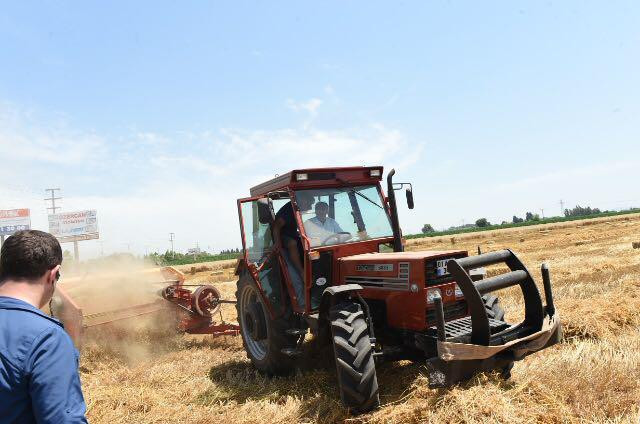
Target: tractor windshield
(345,214)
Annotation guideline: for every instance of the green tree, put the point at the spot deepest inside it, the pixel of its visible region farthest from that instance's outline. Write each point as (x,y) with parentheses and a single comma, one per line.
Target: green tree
(581,211)
(482,222)
(427,228)
(67,256)
(532,217)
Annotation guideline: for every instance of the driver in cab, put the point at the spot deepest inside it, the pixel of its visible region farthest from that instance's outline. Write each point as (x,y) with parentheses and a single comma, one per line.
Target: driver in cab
(321,227)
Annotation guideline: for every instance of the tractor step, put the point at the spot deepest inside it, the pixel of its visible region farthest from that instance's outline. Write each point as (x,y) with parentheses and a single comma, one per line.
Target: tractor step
(459,330)
(296,331)
(291,352)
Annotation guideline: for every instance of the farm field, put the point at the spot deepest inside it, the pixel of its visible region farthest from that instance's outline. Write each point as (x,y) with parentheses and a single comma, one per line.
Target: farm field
(144,373)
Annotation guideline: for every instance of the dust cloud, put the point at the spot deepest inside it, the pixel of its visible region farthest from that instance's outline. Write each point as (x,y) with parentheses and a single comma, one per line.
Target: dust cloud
(123,313)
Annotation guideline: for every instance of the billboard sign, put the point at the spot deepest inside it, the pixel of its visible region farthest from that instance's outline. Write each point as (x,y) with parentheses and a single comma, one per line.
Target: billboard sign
(74,226)
(14,220)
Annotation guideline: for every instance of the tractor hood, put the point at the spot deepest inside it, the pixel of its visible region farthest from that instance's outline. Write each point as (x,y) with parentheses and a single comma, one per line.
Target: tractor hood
(396,270)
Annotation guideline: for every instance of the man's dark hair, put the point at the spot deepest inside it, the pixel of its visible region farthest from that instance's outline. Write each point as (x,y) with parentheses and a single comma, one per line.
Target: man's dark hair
(28,254)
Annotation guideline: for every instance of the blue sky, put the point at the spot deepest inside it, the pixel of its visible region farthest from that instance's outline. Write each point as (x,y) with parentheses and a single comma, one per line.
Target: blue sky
(160,115)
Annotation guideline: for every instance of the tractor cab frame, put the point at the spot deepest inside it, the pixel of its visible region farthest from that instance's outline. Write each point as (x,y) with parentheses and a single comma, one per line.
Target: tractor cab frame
(354,193)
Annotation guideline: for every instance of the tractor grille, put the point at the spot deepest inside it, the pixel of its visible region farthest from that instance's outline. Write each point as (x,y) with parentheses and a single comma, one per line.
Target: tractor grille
(451,311)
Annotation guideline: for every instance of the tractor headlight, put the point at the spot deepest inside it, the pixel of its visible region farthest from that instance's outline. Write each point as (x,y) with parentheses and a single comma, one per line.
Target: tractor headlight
(432,293)
(374,173)
(302,177)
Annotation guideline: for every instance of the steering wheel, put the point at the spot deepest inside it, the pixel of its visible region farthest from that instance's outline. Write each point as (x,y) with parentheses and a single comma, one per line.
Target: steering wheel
(337,237)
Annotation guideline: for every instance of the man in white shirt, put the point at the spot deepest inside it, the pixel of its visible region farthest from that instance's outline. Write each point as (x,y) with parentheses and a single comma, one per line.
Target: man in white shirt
(320,227)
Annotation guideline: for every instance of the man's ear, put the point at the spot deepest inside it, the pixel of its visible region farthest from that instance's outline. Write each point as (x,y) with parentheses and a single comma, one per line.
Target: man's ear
(53,274)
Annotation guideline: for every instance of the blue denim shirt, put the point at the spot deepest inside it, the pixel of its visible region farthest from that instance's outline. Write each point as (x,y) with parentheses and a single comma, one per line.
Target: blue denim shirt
(39,379)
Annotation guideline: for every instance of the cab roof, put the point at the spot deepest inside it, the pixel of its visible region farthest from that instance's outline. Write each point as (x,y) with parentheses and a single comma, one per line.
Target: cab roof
(319,177)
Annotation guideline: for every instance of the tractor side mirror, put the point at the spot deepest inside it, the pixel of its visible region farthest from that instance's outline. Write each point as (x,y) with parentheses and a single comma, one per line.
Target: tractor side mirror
(265,211)
(409,194)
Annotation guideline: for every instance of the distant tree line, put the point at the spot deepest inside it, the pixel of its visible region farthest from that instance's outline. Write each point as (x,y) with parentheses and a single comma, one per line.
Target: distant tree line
(177,258)
(528,217)
(580,211)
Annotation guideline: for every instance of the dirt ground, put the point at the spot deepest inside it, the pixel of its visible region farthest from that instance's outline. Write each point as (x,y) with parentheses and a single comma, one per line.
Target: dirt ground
(145,373)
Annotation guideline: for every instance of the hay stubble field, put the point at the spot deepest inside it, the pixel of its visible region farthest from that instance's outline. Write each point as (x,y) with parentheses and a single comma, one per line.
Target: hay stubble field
(150,375)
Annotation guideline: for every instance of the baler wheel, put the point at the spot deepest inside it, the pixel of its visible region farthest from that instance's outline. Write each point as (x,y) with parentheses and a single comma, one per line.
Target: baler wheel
(353,352)
(205,300)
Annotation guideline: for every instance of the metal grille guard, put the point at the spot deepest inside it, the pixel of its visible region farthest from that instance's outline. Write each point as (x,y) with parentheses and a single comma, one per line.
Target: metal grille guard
(518,275)
(486,351)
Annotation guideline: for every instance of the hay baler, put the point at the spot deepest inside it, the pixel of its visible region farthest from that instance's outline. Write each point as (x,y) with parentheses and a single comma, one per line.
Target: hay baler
(102,299)
(360,292)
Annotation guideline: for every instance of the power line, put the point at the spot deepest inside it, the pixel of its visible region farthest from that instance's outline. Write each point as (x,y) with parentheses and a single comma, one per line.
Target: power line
(53,199)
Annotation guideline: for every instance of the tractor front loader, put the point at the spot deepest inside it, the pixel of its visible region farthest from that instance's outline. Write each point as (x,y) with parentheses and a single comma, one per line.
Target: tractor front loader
(362,295)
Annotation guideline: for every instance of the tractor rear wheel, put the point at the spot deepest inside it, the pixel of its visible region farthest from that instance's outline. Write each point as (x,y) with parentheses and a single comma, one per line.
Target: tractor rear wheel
(356,368)
(263,339)
(493,307)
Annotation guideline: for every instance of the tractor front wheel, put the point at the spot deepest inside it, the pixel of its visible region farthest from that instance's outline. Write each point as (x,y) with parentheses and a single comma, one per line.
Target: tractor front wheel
(356,368)
(493,307)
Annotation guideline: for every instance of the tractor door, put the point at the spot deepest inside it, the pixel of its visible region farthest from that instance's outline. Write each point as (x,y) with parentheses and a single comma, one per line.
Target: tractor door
(256,220)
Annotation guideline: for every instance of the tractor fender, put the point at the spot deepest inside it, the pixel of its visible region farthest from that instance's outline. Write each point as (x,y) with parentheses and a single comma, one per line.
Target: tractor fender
(241,265)
(332,295)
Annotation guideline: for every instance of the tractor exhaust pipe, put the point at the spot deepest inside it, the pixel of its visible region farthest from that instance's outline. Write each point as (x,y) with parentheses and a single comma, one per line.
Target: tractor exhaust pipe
(393,209)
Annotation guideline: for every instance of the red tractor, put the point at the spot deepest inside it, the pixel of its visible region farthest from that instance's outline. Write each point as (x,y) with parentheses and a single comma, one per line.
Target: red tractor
(359,291)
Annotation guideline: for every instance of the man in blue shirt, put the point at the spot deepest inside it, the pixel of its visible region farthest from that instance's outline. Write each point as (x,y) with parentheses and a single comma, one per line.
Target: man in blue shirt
(39,381)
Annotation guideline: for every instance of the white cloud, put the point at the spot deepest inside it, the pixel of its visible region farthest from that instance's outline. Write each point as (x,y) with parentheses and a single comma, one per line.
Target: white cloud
(23,139)
(310,106)
(146,184)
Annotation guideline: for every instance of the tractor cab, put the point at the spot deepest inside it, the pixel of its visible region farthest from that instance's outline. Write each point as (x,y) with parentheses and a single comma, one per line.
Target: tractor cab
(344,212)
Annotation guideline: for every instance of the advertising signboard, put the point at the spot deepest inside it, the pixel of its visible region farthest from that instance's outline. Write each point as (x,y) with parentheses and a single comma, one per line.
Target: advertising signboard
(74,226)
(14,220)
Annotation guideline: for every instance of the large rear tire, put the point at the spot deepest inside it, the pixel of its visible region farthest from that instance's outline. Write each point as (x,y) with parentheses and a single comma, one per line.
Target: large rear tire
(356,368)
(263,338)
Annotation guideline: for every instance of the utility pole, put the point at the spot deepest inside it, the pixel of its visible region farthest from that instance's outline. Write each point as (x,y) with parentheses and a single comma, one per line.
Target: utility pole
(53,199)
(561,207)
(542,210)
(171,239)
